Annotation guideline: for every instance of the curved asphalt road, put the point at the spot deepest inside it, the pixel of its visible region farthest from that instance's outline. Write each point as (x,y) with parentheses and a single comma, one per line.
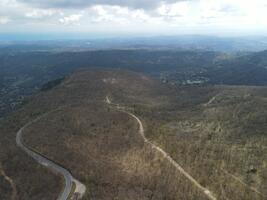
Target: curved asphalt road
(46,162)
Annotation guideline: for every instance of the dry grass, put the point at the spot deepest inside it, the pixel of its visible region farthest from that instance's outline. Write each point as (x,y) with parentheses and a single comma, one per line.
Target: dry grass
(228,134)
(102,148)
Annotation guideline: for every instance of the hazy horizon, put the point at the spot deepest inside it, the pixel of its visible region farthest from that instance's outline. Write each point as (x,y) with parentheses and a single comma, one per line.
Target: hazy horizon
(93,36)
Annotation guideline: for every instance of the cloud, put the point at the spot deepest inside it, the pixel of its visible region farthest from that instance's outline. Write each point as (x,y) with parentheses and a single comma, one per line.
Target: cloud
(175,10)
(4,20)
(71,19)
(136,4)
(117,15)
(40,13)
(229,9)
(133,16)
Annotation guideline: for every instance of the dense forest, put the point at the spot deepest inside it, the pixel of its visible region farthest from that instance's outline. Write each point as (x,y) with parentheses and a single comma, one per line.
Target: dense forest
(23,73)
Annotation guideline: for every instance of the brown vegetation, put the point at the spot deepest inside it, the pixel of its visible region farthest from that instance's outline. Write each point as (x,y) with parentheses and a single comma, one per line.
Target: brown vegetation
(228,134)
(208,130)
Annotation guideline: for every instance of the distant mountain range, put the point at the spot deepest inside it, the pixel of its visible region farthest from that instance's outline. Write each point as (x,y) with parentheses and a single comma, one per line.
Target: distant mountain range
(186,42)
(25,72)
(245,70)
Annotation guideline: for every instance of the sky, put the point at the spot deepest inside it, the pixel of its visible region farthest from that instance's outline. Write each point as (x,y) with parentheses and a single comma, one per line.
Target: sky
(134,17)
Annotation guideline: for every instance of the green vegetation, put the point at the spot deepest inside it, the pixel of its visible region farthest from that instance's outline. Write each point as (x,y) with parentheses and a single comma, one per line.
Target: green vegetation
(24,73)
(51,84)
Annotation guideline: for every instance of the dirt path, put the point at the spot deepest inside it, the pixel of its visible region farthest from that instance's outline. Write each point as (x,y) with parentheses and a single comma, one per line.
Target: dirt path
(242,182)
(10,181)
(211,100)
(207,192)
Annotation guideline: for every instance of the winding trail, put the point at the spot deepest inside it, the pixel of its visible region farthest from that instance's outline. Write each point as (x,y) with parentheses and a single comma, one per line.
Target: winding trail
(11,182)
(242,182)
(207,192)
(69,180)
(211,100)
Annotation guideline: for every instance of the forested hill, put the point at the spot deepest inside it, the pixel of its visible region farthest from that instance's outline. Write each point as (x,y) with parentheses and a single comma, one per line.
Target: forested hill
(23,73)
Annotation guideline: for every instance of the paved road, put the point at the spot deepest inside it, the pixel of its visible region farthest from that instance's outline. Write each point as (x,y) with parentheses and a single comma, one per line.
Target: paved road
(69,180)
(207,192)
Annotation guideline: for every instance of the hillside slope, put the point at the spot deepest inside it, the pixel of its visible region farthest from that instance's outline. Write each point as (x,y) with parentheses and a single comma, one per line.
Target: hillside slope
(217,134)
(24,73)
(245,70)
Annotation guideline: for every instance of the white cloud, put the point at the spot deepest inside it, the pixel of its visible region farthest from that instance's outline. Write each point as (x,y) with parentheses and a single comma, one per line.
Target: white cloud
(4,20)
(117,15)
(140,15)
(73,19)
(174,10)
(151,16)
(41,13)
(136,4)
(101,14)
